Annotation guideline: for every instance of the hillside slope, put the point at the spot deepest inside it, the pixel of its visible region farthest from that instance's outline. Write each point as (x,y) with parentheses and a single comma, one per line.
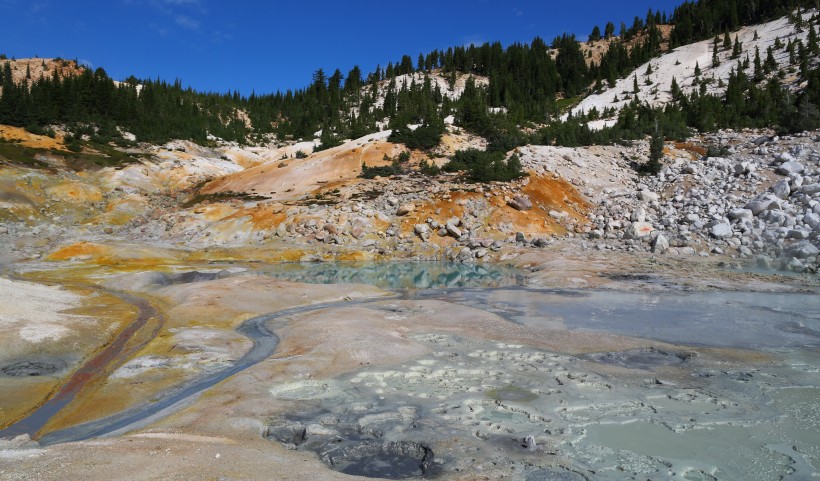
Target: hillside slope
(680,63)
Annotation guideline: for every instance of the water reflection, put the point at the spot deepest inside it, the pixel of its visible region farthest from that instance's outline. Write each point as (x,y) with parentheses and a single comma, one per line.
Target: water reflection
(729,319)
(397,275)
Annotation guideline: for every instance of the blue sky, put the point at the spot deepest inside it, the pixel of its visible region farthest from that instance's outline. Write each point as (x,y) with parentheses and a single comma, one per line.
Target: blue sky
(271,45)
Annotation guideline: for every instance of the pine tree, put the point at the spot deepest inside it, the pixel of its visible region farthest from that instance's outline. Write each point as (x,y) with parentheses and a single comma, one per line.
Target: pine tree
(758,70)
(675,90)
(770,64)
(727,41)
(609,30)
(697,70)
(654,165)
(715,59)
(813,46)
(635,88)
(596,34)
(737,49)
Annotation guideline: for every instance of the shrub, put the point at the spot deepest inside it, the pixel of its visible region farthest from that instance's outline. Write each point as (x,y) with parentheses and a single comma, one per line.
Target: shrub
(425,137)
(381,171)
(484,166)
(428,168)
(653,166)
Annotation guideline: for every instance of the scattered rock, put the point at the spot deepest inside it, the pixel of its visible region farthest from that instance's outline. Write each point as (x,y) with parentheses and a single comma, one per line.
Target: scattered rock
(781,189)
(648,196)
(721,230)
(810,189)
(736,214)
(660,245)
(405,209)
(453,230)
(791,167)
(802,250)
(520,202)
(638,230)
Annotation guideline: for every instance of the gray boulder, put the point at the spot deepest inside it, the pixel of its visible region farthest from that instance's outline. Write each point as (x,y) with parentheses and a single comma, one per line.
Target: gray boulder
(720,230)
(781,189)
(648,196)
(792,167)
(736,214)
(660,244)
(802,250)
(520,202)
(453,230)
(638,230)
(811,219)
(810,189)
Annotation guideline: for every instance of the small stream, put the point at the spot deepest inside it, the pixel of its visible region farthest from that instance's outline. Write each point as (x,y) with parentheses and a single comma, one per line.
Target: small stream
(264,344)
(93,370)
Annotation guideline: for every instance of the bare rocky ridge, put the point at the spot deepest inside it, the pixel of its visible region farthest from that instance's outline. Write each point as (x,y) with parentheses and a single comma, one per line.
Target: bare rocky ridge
(756,201)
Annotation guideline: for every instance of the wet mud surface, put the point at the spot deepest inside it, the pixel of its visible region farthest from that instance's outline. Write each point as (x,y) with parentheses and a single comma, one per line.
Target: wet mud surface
(681,402)
(33,367)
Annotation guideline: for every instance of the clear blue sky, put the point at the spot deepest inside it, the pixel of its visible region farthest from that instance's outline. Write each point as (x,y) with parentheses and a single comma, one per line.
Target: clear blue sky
(274,45)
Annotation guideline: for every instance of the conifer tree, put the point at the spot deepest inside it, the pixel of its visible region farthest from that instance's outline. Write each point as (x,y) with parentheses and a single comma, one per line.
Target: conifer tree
(609,30)
(758,67)
(675,90)
(596,34)
(770,64)
(654,165)
(737,49)
(697,70)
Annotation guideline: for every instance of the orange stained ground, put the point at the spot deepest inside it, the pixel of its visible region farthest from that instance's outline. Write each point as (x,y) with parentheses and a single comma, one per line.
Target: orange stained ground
(27,139)
(696,151)
(546,194)
(305,176)
(124,257)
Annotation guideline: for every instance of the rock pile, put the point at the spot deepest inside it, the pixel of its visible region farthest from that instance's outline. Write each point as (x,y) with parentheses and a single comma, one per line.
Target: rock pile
(760,200)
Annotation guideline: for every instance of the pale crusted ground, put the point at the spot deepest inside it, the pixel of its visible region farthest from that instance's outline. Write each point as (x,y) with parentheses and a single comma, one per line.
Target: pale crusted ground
(33,313)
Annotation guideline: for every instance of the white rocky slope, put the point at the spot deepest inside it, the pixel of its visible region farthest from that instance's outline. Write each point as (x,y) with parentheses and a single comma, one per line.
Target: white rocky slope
(761,199)
(680,65)
(437,78)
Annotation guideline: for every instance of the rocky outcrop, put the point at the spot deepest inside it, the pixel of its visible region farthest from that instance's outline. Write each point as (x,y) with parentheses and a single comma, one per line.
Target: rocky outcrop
(761,199)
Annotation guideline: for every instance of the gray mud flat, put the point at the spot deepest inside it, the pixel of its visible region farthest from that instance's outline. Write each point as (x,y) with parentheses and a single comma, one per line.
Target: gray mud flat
(541,415)
(484,406)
